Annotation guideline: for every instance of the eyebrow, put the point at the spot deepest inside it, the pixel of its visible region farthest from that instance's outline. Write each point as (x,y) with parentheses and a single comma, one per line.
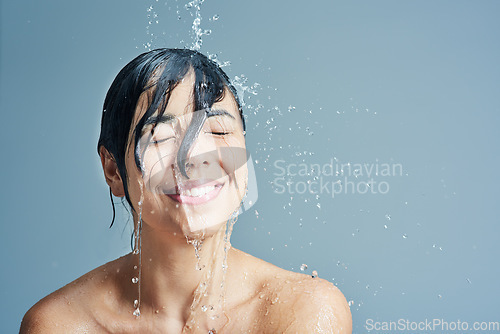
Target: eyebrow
(165,118)
(218,112)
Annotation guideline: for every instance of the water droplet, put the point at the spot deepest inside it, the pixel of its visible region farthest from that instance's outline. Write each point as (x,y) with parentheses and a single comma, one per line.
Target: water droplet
(135,280)
(439,296)
(388,216)
(385,226)
(314,274)
(468,281)
(215,17)
(137,312)
(405,236)
(351,302)
(303,267)
(136,303)
(204,308)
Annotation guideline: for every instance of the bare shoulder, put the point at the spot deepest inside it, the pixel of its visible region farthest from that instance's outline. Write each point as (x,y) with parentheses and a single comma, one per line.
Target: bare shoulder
(320,307)
(296,303)
(52,314)
(67,310)
(302,304)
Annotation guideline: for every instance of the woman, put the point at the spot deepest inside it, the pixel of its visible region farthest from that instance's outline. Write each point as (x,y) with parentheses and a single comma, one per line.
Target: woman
(173,144)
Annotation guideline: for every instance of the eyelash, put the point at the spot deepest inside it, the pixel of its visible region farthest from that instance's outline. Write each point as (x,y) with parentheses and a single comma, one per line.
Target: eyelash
(156,142)
(219,133)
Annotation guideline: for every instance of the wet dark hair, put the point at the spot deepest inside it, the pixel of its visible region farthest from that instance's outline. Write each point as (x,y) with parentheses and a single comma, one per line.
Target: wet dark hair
(158,72)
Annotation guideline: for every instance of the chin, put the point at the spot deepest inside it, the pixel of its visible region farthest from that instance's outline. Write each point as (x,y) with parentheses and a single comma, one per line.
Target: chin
(201,229)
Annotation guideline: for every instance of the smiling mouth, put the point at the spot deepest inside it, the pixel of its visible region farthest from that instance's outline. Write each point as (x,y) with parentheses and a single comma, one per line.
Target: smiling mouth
(196,195)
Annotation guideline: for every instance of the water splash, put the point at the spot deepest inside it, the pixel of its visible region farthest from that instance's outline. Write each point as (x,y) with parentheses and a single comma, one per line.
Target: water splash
(152,19)
(137,312)
(196,31)
(197,243)
(215,58)
(138,251)
(243,88)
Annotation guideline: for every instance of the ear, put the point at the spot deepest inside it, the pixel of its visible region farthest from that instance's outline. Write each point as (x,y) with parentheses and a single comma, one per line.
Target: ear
(111,172)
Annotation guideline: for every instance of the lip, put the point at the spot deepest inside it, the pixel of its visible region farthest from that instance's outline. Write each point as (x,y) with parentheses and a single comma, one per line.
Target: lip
(176,194)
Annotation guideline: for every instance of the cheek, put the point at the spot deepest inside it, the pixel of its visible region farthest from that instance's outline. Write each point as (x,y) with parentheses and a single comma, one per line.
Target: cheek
(234,162)
(233,156)
(158,171)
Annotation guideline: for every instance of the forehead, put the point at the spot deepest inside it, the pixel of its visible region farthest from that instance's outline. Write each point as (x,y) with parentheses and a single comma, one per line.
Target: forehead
(181,102)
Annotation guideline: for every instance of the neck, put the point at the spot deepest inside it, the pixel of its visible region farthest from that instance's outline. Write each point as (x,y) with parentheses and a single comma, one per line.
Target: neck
(179,279)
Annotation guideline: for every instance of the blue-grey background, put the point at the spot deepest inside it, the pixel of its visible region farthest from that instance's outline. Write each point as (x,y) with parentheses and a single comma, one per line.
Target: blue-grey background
(414,83)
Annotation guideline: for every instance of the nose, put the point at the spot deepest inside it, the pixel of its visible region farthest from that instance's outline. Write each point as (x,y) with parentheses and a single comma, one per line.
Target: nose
(199,156)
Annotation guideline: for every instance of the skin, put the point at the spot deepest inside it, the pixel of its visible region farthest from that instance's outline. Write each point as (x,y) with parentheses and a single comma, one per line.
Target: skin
(258,297)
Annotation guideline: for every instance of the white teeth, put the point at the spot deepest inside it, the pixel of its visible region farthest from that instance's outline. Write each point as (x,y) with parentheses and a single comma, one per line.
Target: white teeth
(197,192)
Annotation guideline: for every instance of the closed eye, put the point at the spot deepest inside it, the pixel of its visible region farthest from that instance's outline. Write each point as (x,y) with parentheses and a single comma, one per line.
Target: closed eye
(159,141)
(218,133)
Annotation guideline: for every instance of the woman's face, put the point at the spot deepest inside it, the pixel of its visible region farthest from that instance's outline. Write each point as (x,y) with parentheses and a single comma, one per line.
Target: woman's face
(196,206)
